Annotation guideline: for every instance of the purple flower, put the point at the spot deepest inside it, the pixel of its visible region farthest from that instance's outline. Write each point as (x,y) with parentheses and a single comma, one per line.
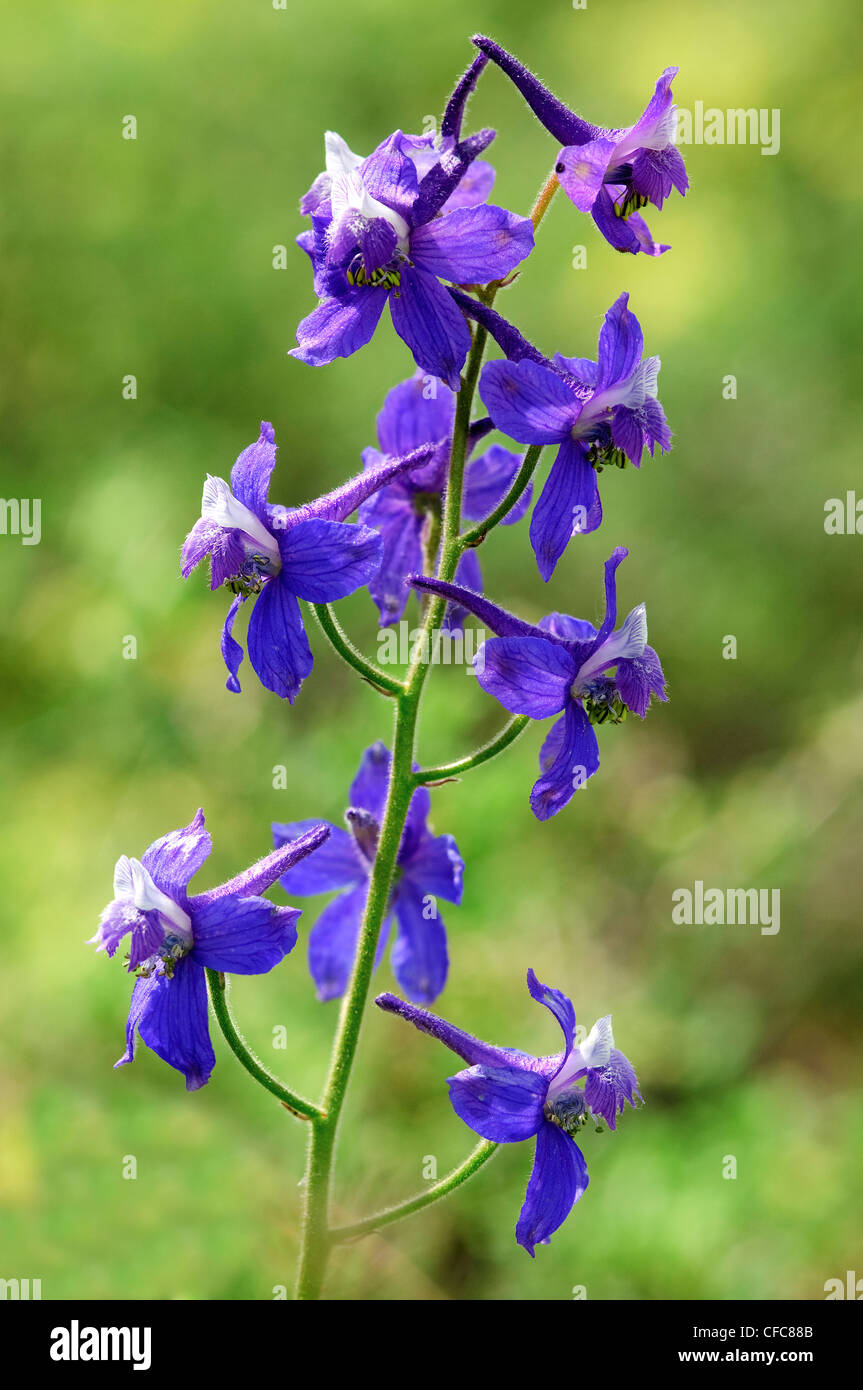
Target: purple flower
(390,228)
(278,555)
(599,413)
(173,936)
(563,665)
(428,867)
(508,1096)
(610,173)
(416,412)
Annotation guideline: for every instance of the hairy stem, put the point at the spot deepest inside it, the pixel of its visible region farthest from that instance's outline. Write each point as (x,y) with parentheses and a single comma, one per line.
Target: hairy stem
(507,736)
(387,685)
(298,1105)
(316,1240)
(477,534)
(484,1150)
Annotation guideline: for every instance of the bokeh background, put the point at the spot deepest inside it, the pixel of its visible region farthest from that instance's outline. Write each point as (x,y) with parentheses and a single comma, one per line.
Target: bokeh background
(154,258)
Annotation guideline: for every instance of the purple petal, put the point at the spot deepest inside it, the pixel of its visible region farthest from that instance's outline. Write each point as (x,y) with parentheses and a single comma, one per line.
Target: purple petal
(335,864)
(198,544)
(445,176)
(581,170)
(563,124)
(232,652)
(473,245)
(326,560)
(504,1104)
(263,874)
(617,556)
(607,1089)
(142,992)
(171,1015)
(529,402)
(377,241)
(435,866)
(250,475)
(656,172)
(243,936)
(558,1004)
(339,326)
(333,942)
(402,554)
(391,176)
(474,187)
(624,234)
(582,368)
(569,756)
(557,1180)
(227,555)
(528,675)
(369,787)
(620,344)
(487,481)
(177,857)
(416,412)
(569,504)
(568,629)
(642,234)
(419,955)
(637,678)
(656,115)
(278,647)
(425,317)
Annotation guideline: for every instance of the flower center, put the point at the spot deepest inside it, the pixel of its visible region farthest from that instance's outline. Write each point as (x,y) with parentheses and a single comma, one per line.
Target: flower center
(567,1110)
(601,702)
(387,277)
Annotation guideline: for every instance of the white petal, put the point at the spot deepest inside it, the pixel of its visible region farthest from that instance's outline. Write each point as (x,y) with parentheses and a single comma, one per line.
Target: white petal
(340,158)
(124,888)
(628,641)
(596,1048)
(148,898)
(219,505)
(349,195)
(631,392)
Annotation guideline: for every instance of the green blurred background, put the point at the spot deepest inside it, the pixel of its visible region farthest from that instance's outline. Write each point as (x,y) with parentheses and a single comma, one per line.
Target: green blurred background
(154,258)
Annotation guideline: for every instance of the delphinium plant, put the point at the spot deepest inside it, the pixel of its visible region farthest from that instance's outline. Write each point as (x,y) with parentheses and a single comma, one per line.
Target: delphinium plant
(411,227)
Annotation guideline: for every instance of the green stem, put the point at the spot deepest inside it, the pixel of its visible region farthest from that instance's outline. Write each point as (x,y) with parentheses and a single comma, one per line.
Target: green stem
(387,685)
(472,1164)
(316,1242)
(508,735)
(298,1105)
(477,534)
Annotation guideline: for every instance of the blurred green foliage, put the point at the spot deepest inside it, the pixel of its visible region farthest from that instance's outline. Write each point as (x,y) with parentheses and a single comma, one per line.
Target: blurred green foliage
(154,258)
